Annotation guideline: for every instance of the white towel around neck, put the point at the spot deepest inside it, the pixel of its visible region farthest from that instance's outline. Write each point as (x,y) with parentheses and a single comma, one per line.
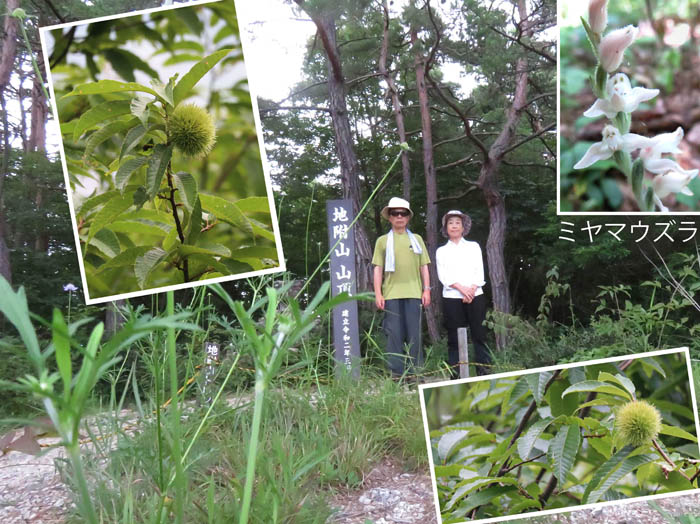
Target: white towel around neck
(390,258)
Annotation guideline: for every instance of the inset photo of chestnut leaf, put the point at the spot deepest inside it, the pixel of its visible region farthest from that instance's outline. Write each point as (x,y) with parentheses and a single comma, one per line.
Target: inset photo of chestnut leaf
(161,153)
(561,438)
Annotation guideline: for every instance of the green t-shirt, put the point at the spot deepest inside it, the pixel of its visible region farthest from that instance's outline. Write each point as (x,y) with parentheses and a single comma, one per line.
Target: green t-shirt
(405,281)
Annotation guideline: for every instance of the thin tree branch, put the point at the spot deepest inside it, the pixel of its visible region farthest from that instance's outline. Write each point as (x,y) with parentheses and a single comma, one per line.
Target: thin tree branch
(669,461)
(473,187)
(544,55)
(527,139)
(293,108)
(466,160)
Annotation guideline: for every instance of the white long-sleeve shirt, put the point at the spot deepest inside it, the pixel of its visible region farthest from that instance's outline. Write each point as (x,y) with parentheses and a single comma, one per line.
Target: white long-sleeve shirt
(460,263)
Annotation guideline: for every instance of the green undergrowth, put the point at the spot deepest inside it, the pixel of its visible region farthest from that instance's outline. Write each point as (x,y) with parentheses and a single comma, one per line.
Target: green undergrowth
(313,442)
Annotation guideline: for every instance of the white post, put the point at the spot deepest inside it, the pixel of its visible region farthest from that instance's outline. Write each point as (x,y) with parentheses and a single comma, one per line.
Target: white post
(463,353)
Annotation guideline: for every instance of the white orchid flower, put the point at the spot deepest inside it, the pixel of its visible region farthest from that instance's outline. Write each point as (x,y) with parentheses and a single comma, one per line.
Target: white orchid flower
(673,182)
(651,149)
(621,98)
(612,141)
(612,47)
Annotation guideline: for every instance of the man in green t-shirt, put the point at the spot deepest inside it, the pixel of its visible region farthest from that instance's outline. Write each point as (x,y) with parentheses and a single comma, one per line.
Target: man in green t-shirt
(401,285)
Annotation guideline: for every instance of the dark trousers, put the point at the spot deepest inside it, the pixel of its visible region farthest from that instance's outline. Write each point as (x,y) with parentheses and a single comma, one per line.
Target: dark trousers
(402,325)
(459,314)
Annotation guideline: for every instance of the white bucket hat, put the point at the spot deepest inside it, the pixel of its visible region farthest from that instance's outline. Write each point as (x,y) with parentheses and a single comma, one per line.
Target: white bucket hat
(395,203)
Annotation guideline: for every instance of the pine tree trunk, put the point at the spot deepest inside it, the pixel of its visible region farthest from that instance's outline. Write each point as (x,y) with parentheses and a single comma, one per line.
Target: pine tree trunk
(431,217)
(396,104)
(349,166)
(488,182)
(7,63)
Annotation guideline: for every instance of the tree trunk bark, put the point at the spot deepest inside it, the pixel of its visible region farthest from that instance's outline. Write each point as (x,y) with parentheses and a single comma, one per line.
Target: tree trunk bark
(396,104)
(488,182)
(7,63)
(430,188)
(349,167)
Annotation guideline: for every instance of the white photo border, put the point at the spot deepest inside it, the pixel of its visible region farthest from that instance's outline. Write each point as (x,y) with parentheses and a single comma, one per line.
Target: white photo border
(423,387)
(263,156)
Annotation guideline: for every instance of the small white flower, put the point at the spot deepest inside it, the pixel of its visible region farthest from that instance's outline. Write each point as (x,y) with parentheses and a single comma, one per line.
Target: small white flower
(651,149)
(598,15)
(69,287)
(612,141)
(621,98)
(612,47)
(673,182)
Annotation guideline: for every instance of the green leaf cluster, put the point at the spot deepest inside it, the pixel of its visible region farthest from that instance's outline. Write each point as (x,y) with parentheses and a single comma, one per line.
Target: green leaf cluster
(157,216)
(550,439)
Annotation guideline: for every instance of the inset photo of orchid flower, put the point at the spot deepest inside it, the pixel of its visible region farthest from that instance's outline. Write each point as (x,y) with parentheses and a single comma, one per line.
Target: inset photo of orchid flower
(630,107)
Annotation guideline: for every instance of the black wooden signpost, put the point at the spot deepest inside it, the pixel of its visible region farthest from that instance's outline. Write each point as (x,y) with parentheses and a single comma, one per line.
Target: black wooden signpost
(346,338)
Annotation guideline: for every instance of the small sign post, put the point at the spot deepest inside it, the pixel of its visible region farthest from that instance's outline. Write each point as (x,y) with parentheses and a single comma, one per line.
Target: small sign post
(463,346)
(346,338)
(211,350)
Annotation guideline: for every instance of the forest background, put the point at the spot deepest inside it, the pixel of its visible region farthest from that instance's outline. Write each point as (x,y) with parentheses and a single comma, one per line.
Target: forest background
(490,151)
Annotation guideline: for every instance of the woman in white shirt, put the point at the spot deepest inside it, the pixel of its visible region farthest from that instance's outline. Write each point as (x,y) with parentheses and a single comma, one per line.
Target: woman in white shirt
(460,269)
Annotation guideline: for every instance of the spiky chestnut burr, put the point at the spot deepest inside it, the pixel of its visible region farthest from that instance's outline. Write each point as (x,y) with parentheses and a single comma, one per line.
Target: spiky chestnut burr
(192,130)
(637,423)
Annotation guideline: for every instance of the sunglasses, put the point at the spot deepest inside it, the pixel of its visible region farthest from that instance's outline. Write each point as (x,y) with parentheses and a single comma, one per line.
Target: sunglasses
(400,213)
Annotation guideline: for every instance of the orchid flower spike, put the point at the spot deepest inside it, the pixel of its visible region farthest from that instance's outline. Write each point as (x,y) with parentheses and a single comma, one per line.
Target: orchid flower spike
(612,141)
(651,149)
(621,98)
(598,15)
(673,182)
(612,47)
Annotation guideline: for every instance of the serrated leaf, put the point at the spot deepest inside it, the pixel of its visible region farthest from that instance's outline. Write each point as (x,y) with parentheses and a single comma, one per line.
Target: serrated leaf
(214,249)
(225,211)
(623,381)
(523,505)
(598,387)
(677,432)
(561,405)
(616,472)
(452,470)
(563,449)
(99,114)
(527,440)
(466,487)
(651,364)
(537,382)
(95,201)
(484,497)
(124,259)
(139,108)
(127,168)
(157,165)
(190,79)
(448,442)
(254,205)
(187,189)
(171,240)
(254,252)
(108,86)
(140,197)
(576,375)
(112,209)
(235,267)
(132,139)
(135,226)
(165,91)
(105,133)
(107,242)
(144,265)
(194,224)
